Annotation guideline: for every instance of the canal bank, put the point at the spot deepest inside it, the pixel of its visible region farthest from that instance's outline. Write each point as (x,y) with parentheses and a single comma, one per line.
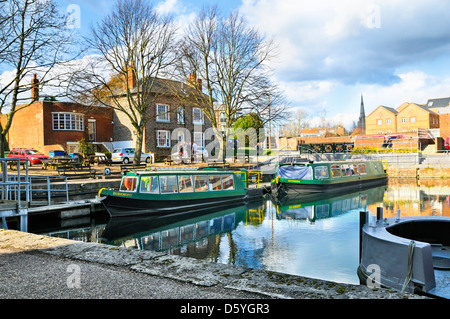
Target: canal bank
(41,267)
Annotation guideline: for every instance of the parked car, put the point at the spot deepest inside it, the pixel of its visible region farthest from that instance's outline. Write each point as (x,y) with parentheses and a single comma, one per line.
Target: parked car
(34,156)
(126,155)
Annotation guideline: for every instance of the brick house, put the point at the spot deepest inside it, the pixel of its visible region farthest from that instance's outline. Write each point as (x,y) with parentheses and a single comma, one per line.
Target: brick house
(51,125)
(383,120)
(441,106)
(407,118)
(172,110)
(413,117)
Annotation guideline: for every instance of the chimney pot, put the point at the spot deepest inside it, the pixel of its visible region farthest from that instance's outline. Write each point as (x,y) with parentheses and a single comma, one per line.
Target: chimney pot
(35,89)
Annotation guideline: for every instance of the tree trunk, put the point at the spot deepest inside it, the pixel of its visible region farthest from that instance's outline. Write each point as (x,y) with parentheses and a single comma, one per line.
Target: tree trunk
(139,143)
(2,145)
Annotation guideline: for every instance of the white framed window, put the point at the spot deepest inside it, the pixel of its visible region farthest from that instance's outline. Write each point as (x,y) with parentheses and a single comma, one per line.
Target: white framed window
(162,138)
(66,121)
(199,139)
(379,122)
(162,113)
(403,120)
(412,119)
(223,117)
(180,115)
(388,121)
(197,116)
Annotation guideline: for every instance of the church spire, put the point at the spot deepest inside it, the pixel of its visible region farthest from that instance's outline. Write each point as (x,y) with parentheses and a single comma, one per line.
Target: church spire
(362,117)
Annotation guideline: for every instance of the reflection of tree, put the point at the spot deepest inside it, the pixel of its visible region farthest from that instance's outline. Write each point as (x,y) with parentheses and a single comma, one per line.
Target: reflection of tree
(233,249)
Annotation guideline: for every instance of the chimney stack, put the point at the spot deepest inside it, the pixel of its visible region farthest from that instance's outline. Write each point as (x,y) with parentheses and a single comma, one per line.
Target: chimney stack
(194,82)
(35,89)
(130,77)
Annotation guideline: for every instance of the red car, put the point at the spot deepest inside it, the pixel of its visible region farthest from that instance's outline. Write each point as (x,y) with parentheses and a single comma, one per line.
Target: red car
(34,156)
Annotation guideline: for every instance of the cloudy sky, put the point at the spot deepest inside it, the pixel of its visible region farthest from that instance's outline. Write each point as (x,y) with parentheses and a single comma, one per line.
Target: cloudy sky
(331,52)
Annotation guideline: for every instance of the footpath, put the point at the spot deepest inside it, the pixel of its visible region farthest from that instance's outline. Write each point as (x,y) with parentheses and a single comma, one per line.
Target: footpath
(40,267)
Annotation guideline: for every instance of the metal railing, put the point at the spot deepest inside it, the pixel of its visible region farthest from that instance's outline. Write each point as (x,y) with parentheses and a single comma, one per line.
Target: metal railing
(12,188)
(38,186)
(24,187)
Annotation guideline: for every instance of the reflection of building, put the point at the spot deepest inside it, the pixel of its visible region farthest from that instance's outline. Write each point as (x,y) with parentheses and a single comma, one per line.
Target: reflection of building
(413,200)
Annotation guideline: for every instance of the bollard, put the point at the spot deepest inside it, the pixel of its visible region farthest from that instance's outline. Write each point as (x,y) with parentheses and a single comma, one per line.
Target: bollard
(379,213)
(398,215)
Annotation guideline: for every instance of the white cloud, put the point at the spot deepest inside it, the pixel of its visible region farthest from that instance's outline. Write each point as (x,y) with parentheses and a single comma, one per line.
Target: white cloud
(392,51)
(414,87)
(351,41)
(167,6)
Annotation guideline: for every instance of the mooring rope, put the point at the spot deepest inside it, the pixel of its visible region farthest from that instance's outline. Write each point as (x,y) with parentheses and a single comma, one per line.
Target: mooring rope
(411,247)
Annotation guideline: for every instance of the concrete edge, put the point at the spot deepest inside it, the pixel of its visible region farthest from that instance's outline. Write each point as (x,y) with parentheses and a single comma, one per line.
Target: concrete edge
(189,270)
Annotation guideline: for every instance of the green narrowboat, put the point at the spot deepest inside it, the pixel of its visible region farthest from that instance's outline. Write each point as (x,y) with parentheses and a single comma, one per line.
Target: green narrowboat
(312,178)
(167,192)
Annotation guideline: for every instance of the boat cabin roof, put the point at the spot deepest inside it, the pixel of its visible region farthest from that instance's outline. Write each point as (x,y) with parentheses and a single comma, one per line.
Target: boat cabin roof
(182,172)
(329,163)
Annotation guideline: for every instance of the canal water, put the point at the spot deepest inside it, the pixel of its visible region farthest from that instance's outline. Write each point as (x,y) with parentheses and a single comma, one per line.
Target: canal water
(313,237)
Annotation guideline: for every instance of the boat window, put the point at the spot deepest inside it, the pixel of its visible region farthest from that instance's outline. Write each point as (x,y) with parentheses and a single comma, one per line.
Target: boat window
(335,171)
(362,169)
(354,168)
(129,184)
(345,170)
(321,172)
(168,184)
(201,183)
(150,184)
(227,182)
(214,183)
(185,183)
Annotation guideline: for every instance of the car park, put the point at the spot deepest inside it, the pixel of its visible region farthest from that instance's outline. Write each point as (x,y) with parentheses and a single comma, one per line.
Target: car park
(35,157)
(126,155)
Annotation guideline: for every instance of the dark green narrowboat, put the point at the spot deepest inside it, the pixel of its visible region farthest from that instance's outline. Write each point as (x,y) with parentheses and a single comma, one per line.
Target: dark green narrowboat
(312,178)
(163,192)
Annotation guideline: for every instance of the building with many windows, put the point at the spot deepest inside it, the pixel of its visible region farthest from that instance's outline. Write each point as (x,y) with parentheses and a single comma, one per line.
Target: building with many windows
(174,119)
(407,118)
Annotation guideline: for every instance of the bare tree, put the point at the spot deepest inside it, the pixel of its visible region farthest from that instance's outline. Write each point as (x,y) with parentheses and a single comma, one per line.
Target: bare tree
(33,39)
(231,58)
(133,50)
(297,122)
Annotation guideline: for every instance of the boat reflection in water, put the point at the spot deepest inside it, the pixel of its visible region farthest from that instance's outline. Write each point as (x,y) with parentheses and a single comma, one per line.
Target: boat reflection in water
(314,237)
(195,236)
(168,232)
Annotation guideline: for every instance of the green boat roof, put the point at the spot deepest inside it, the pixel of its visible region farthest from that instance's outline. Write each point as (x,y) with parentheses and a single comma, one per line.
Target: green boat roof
(182,172)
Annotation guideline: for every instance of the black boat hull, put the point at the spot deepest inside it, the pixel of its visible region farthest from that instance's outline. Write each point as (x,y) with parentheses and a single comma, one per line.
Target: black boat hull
(282,189)
(123,207)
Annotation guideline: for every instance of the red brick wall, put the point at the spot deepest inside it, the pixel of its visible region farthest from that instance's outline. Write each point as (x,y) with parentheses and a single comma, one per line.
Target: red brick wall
(103,117)
(26,128)
(33,126)
(444,123)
